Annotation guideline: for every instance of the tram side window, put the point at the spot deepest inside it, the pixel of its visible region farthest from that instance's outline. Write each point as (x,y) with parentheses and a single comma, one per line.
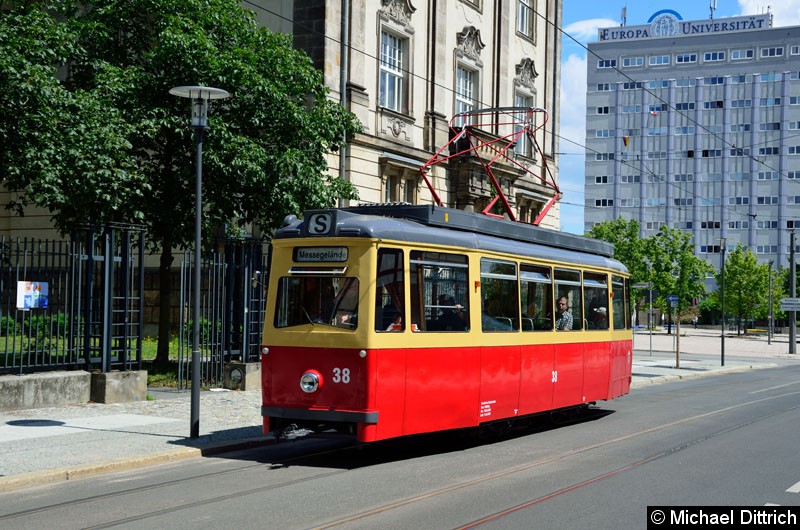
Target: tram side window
(390,292)
(439,291)
(569,308)
(499,293)
(536,297)
(620,302)
(628,306)
(595,294)
(331,301)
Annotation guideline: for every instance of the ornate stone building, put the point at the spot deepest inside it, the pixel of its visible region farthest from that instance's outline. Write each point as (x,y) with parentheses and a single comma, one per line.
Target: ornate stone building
(407,67)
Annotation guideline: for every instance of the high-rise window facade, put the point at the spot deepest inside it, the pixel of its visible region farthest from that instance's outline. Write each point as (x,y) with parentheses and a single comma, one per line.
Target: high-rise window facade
(699,136)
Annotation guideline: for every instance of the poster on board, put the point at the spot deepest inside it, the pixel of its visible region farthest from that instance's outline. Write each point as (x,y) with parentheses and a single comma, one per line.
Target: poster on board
(31,295)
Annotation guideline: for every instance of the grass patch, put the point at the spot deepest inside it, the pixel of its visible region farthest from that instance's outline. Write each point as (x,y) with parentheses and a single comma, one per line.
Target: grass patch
(163,377)
(150,348)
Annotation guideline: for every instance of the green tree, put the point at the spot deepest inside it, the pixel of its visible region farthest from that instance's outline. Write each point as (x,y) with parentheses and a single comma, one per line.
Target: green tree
(747,286)
(674,269)
(99,138)
(779,280)
(64,148)
(628,247)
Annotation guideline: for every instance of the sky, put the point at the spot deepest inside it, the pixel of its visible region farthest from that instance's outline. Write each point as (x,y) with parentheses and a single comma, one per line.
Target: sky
(581,19)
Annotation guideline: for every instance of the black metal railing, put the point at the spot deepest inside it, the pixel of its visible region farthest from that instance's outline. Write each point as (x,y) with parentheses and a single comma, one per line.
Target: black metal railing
(232,298)
(79,304)
(72,304)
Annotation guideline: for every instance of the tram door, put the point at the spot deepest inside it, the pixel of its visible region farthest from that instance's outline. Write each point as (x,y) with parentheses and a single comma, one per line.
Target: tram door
(500,365)
(440,380)
(536,359)
(568,366)
(596,349)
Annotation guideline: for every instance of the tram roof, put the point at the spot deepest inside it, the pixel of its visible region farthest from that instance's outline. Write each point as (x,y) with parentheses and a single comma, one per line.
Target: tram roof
(419,223)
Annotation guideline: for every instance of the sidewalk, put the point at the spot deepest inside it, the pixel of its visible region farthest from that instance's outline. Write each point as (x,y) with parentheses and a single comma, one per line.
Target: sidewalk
(698,353)
(40,446)
(709,340)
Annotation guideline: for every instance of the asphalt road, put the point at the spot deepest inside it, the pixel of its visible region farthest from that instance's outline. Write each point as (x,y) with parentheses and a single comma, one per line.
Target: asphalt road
(726,440)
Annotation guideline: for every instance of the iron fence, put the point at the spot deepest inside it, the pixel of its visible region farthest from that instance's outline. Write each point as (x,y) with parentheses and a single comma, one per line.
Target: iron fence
(79,304)
(232,298)
(72,304)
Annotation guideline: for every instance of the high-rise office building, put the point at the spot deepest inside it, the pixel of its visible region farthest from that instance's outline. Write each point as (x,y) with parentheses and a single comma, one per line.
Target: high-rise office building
(696,125)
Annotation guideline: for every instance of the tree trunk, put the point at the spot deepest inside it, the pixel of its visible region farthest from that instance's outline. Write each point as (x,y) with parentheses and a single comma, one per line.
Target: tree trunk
(164,305)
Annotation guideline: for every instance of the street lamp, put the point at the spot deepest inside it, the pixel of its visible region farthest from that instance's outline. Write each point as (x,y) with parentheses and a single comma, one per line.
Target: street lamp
(792,290)
(199,96)
(724,242)
(649,287)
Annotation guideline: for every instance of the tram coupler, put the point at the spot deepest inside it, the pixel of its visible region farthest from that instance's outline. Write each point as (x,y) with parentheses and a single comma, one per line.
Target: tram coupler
(292,432)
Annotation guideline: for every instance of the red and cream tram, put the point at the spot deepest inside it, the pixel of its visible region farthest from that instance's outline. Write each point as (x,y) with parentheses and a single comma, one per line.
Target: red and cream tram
(394,320)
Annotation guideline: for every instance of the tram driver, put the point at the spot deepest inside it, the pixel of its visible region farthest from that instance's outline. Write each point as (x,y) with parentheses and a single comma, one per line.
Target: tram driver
(563,315)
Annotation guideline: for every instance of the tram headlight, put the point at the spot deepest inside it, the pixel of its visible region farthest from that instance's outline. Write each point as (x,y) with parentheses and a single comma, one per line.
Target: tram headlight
(310,381)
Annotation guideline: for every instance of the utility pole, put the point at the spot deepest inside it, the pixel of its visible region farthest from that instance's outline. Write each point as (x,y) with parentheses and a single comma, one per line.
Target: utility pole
(722,297)
(792,288)
(769,322)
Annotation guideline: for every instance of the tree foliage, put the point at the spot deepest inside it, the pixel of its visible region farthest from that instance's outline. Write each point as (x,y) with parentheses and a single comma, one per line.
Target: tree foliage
(746,283)
(747,286)
(665,259)
(628,248)
(64,148)
(101,139)
(90,131)
(674,269)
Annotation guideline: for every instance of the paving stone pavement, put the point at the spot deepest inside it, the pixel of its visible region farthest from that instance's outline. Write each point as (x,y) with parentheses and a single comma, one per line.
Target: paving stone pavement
(59,443)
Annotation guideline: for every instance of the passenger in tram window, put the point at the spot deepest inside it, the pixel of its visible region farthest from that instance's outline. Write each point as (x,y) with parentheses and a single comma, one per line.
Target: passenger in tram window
(349,320)
(598,312)
(453,316)
(397,325)
(391,319)
(599,318)
(563,316)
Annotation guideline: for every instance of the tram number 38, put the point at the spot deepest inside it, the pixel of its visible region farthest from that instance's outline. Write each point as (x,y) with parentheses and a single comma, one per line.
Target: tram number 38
(341,375)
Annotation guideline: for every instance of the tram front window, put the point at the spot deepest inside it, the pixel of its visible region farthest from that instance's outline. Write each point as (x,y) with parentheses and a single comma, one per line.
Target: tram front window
(329,301)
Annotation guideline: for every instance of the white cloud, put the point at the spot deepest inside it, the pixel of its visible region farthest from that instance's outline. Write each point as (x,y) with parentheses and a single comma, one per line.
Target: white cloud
(784,13)
(586,30)
(573,121)
(573,139)
(573,104)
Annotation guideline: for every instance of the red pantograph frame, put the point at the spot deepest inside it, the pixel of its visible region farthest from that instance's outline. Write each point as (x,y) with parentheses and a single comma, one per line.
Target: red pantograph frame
(522,121)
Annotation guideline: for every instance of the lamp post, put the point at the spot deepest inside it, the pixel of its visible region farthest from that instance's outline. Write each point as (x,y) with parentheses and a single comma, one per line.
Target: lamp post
(792,290)
(722,300)
(649,287)
(769,321)
(199,96)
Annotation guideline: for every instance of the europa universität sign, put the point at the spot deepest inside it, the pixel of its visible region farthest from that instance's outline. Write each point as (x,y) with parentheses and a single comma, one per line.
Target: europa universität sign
(668,23)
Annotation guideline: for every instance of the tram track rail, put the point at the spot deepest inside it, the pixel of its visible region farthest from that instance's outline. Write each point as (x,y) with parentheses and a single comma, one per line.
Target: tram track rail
(354,451)
(560,456)
(178,482)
